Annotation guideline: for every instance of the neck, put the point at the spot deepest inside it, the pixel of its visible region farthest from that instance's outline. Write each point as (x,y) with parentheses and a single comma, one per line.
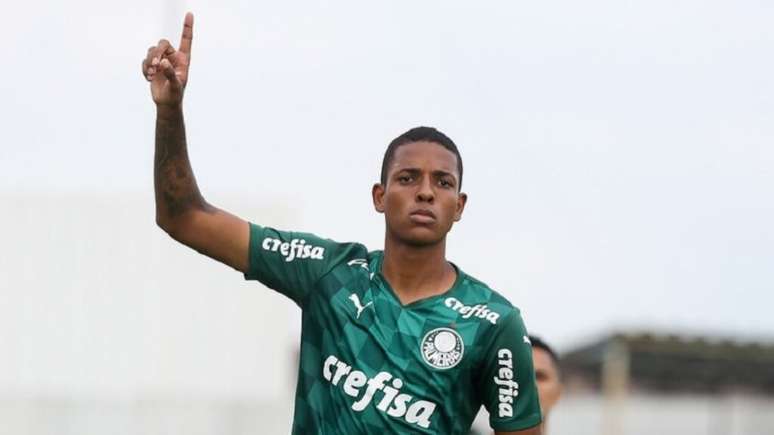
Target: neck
(417,272)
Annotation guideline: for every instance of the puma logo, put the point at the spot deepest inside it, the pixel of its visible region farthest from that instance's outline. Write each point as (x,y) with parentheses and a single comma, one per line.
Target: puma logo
(360,307)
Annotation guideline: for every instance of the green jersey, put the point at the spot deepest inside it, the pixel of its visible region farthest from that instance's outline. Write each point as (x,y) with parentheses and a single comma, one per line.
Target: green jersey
(371,365)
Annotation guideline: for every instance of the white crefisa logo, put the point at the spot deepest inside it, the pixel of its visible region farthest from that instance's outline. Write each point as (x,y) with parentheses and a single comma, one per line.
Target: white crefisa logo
(442,348)
(295,249)
(480,311)
(392,401)
(362,262)
(508,389)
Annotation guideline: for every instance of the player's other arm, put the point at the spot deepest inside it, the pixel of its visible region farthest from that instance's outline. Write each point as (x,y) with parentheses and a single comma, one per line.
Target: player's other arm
(507,384)
(181,210)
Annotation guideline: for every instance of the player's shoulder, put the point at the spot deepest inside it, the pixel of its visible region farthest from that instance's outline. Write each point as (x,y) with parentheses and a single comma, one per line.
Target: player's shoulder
(475,290)
(477,297)
(305,245)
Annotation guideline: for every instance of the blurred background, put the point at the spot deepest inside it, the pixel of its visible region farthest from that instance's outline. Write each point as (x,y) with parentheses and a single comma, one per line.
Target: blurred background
(618,156)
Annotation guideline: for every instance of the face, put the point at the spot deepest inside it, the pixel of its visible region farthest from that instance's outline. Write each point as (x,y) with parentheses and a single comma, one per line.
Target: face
(547,377)
(421,200)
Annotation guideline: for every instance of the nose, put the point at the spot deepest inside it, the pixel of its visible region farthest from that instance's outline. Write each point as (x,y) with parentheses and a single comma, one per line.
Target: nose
(425,191)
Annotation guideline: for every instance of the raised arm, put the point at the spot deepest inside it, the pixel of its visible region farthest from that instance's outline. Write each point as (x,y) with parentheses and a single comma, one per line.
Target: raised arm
(181,210)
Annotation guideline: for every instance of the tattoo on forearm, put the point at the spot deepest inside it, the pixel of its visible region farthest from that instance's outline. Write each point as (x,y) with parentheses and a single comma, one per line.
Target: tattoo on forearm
(175,185)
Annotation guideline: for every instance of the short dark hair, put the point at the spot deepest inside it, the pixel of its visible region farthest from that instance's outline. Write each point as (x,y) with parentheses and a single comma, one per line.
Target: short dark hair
(540,344)
(420,134)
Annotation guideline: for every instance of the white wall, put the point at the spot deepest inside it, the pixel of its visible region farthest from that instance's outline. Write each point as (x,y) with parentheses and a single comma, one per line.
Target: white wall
(106,320)
(646,414)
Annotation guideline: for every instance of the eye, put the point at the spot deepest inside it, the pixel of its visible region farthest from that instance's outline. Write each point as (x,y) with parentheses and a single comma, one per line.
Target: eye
(445,183)
(405,179)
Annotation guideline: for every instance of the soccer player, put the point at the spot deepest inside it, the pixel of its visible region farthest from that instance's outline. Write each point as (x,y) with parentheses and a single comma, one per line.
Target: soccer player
(400,341)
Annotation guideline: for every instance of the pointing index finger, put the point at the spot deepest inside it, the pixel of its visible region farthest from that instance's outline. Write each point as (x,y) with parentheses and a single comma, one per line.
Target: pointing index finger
(187,38)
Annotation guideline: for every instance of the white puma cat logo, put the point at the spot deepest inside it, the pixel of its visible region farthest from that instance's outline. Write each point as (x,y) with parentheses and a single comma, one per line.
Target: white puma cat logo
(360,307)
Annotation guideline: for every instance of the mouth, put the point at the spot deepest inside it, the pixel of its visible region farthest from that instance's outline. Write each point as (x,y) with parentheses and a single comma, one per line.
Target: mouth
(422,216)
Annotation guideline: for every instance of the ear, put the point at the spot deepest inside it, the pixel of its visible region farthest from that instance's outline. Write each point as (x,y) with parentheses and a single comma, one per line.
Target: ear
(462,199)
(377,194)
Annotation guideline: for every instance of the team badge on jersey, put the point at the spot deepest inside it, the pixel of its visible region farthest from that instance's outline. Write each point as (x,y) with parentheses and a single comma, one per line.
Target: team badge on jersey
(442,348)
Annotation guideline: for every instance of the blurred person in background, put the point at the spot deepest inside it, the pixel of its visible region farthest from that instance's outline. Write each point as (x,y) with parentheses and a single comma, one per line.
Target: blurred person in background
(399,341)
(549,383)
(548,376)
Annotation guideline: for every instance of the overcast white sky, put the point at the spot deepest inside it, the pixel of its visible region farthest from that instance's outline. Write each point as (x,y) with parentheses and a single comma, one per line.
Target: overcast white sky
(619,156)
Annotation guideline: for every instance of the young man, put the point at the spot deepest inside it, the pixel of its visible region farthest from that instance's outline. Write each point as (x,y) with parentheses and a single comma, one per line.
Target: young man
(400,341)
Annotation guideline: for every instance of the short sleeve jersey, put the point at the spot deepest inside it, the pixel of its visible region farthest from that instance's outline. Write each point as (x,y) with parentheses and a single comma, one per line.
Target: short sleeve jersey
(371,365)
